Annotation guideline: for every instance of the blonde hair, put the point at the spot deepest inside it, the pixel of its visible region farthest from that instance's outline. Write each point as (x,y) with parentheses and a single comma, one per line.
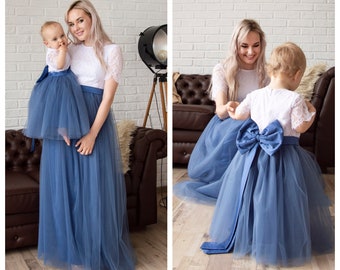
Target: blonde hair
(287,58)
(46,25)
(231,63)
(97,36)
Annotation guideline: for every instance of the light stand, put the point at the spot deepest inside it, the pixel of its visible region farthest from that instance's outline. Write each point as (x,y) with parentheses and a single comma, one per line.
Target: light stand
(163,89)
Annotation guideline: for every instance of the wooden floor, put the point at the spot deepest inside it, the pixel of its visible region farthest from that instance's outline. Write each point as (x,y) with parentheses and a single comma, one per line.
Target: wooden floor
(150,246)
(190,227)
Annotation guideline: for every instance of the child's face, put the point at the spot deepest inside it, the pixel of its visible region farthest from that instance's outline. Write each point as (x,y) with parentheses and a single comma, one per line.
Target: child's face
(54,37)
(249,50)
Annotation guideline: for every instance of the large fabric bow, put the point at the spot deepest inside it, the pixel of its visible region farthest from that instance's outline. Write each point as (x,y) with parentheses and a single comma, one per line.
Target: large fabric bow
(269,140)
(248,140)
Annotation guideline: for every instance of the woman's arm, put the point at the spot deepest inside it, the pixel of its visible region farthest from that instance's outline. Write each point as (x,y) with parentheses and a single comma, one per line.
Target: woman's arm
(86,143)
(221,105)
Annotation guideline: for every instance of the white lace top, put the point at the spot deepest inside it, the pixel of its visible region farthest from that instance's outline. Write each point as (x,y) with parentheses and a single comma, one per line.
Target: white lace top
(267,105)
(51,60)
(86,66)
(248,81)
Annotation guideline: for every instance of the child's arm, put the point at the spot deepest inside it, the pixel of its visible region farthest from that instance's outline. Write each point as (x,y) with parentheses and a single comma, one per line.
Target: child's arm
(234,113)
(305,125)
(61,60)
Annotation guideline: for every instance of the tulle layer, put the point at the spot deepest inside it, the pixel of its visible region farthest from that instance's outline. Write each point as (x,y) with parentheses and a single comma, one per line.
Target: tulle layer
(83,215)
(284,213)
(57,108)
(209,160)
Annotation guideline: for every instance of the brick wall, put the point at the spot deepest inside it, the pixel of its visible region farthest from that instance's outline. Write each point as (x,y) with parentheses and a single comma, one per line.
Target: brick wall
(202,29)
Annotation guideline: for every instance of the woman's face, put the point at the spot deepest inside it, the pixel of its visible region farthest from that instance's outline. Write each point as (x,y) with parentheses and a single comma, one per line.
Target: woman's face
(249,50)
(79,24)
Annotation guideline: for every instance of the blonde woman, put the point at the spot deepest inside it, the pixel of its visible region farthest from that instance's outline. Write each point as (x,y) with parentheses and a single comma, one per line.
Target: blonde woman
(240,73)
(271,204)
(83,221)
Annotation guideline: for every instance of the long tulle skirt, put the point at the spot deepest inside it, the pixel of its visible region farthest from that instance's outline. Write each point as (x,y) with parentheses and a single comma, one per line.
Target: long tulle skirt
(83,217)
(57,108)
(284,212)
(209,160)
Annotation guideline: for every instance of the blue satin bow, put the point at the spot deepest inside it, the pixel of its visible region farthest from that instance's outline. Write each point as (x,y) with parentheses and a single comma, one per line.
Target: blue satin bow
(269,140)
(248,140)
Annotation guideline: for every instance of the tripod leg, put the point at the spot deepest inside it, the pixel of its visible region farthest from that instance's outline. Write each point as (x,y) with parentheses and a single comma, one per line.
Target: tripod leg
(163,103)
(149,103)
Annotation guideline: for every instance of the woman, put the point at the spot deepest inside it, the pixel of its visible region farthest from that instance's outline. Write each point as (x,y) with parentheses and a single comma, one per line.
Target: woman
(84,218)
(240,73)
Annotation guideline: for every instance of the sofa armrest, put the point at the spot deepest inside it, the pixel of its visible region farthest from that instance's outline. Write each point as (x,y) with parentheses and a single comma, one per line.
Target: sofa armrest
(147,146)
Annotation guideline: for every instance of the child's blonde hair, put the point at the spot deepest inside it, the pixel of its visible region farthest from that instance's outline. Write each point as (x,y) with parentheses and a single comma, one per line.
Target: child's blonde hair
(287,58)
(46,25)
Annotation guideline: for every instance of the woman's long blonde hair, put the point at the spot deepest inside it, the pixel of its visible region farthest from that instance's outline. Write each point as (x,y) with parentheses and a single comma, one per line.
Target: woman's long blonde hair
(231,63)
(98,37)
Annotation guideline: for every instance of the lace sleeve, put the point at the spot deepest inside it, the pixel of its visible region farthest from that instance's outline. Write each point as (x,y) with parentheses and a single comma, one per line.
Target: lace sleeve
(115,64)
(218,81)
(300,112)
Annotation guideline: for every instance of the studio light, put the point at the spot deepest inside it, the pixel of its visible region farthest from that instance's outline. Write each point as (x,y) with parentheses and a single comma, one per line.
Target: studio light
(152,49)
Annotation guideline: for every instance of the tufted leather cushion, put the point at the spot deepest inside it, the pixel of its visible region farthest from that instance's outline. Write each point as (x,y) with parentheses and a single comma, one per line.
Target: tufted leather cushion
(194,89)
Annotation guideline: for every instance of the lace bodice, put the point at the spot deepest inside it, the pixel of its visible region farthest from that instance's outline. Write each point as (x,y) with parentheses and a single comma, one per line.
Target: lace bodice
(248,81)
(86,66)
(266,105)
(51,60)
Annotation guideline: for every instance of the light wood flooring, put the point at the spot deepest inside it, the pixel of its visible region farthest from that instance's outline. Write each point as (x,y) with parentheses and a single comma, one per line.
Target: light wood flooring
(150,246)
(190,227)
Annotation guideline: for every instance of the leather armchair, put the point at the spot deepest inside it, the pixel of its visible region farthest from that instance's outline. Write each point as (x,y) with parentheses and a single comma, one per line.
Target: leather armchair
(22,183)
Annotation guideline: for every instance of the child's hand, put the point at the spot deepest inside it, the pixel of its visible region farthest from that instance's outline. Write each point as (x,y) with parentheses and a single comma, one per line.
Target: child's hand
(231,108)
(63,46)
(310,106)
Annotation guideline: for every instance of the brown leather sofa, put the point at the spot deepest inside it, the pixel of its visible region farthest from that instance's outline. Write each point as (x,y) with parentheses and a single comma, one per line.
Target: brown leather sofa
(22,183)
(191,117)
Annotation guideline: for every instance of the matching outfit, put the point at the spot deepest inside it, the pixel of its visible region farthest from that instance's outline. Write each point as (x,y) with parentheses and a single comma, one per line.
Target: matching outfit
(56,107)
(271,204)
(83,216)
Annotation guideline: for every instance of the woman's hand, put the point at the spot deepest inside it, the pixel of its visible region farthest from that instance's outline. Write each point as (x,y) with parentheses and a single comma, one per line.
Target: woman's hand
(231,108)
(86,144)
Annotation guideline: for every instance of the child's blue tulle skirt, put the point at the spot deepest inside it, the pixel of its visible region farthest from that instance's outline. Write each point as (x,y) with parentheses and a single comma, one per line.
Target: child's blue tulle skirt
(57,108)
(209,160)
(276,212)
(83,215)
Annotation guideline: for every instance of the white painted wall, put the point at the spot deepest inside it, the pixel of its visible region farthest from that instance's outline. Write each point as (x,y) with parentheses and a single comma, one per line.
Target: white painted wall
(202,29)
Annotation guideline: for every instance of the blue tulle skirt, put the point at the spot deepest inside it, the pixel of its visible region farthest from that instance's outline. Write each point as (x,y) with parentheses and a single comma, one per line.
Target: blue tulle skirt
(209,160)
(57,108)
(278,215)
(83,216)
